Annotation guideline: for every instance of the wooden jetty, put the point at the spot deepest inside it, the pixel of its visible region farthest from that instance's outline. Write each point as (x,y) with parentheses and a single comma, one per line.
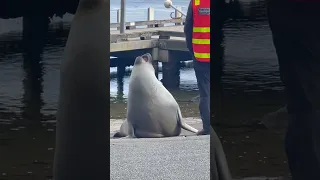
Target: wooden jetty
(166,44)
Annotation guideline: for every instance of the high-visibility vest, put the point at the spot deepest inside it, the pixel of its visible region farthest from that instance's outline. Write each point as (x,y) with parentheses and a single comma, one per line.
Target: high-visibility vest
(201,30)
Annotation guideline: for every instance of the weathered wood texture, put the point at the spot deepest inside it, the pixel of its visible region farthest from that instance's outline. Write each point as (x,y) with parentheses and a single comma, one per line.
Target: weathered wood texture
(147,38)
(149,23)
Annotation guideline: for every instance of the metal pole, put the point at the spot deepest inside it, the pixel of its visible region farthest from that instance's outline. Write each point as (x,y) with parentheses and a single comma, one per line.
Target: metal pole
(123,16)
(179,10)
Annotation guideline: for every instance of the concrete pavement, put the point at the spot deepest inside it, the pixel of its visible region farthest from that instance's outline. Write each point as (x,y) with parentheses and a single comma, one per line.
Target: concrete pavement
(186,157)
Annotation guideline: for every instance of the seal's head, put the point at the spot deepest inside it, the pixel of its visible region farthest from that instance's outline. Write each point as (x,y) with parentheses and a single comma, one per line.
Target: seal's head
(143,60)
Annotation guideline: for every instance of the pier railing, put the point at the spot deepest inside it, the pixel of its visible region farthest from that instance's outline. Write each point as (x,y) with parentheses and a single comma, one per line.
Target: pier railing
(150,22)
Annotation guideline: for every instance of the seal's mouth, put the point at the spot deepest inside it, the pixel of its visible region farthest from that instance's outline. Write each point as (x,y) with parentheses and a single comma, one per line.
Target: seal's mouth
(147,57)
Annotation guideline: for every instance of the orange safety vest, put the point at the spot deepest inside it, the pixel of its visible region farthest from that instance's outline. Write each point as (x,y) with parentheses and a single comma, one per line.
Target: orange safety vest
(201,30)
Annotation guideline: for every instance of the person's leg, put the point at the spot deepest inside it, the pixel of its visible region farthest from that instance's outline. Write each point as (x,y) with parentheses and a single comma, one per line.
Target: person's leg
(202,71)
(297,60)
(218,163)
(308,70)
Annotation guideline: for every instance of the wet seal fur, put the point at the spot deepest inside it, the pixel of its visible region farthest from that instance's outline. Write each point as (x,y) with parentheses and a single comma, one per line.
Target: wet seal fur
(82,117)
(219,168)
(152,111)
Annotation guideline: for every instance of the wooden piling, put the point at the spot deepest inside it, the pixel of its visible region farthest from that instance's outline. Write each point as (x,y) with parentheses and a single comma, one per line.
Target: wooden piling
(121,69)
(123,16)
(35,30)
(155,62)
(171,70)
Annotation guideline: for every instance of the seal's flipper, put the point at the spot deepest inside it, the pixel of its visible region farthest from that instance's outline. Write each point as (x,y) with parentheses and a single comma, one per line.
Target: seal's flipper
(124,130)
(119,135)
(183,124)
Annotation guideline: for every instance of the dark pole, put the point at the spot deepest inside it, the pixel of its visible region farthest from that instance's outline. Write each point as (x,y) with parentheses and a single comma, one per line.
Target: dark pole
(122,16)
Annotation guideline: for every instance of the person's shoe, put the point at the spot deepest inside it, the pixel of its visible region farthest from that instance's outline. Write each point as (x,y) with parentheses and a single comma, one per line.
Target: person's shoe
(202,132)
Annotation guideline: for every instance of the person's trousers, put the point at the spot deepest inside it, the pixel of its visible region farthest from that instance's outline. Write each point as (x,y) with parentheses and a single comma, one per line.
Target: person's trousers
(202,71)
(219,168)
(296,35)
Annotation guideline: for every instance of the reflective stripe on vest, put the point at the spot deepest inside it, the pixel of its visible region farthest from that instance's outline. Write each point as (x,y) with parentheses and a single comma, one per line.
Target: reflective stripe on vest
(201,30)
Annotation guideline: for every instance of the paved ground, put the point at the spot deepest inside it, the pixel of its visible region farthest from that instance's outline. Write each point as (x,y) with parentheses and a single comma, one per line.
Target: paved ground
(179,158)
(164,159)
(186,157)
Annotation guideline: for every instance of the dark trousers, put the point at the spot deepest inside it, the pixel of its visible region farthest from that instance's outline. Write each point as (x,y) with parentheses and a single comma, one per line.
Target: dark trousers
(202,71)
(218,163)
(296,35)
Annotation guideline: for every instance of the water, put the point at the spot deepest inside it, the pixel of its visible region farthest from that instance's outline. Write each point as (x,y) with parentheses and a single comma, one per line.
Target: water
(251,88)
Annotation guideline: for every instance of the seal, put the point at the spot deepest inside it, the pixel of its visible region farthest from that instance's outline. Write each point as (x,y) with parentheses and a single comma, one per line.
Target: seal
(81,150)
(152,111)
(218,163)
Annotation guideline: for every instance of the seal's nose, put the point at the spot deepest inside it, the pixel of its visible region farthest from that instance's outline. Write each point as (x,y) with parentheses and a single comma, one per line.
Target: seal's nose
(147,57)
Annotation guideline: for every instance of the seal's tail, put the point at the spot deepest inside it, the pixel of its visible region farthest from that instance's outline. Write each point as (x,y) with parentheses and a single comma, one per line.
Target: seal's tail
(185,125)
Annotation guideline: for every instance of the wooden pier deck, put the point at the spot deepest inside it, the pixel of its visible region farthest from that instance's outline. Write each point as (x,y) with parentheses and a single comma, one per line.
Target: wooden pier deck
(164,39)
(167,38)
(166,44)
(155,34)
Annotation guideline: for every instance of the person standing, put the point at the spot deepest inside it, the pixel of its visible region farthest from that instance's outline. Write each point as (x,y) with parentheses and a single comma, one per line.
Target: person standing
(197,32)
(295,27)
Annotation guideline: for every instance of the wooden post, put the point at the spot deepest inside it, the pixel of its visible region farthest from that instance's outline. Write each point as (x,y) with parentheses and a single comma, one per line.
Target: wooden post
(150,16)
(118,17)
(121,69)
(155,63)
(178,14)
(123,16)
(35,30)
(170,66)
(171,70)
